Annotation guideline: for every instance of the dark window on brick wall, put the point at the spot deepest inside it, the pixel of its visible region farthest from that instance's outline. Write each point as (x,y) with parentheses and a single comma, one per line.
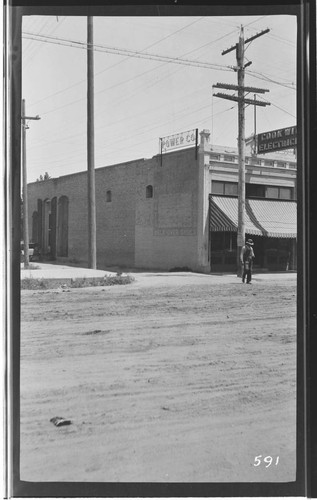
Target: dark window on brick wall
(149,191)
(108,196)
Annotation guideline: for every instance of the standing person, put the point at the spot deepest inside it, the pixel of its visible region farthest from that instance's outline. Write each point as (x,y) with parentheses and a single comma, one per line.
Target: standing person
(246,257)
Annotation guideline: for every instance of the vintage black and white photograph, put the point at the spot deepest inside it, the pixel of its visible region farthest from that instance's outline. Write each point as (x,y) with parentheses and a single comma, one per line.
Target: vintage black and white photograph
(159,240)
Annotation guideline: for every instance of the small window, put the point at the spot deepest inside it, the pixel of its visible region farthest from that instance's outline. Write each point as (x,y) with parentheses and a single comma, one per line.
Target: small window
(254,191)
(285,193)
(217,187)
(279,192)
(292,165)
(271,192)
(214,156)
(149,191)
(268,163)
(108,196)
(231,188)
(255,161)
(229,158)
(280,164)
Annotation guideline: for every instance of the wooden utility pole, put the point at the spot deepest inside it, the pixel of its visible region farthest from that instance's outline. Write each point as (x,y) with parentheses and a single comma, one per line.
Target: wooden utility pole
(254,124)
(24,184)
(24,192)
(242,101)
(241,150)
(91,148)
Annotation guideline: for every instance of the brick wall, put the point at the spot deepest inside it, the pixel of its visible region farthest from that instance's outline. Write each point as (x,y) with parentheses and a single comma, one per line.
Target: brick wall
(166,225)
(75,188)
(132,230)
(115,220)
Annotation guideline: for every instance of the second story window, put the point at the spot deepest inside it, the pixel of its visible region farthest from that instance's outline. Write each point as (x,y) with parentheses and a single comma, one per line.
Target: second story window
(108,196)
(254,190)
(273,192)
(281,193)
(149,191)
(217,187)
(226,188)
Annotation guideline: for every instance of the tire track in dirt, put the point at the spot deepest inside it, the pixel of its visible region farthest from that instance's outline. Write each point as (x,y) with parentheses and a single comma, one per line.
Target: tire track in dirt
(177,383)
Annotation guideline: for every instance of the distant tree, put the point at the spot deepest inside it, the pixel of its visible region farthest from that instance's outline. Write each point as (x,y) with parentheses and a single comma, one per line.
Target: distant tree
(44,177)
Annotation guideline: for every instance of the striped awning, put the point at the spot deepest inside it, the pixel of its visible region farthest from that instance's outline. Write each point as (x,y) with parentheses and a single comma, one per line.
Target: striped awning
(224,216)
(276,218)
(271,218)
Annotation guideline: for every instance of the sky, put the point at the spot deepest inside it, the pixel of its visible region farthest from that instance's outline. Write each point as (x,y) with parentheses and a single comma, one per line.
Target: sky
(140,99)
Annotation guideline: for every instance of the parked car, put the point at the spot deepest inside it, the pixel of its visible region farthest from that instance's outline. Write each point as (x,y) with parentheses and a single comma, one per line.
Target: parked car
(34,251)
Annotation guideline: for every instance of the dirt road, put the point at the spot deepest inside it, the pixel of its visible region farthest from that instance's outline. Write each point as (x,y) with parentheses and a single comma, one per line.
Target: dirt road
(170,379)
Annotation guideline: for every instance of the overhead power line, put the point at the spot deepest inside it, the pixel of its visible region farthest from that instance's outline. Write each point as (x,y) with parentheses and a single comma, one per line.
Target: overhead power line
(279,107)
(154,57)
(174,32)
(124,52)
(122,60)
(261,76)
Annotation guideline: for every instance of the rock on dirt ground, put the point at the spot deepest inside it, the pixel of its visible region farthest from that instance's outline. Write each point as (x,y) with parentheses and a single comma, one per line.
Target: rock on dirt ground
(163,380)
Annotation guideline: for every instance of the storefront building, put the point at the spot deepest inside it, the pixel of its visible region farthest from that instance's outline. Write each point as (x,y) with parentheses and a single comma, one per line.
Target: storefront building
(175,210)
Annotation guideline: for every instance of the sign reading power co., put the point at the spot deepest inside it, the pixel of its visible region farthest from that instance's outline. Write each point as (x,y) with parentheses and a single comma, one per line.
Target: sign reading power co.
(181,140)
(276,140)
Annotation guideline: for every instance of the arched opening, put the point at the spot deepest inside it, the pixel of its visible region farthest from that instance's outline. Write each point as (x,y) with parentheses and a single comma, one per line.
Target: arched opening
(47,224)
(35,227)
(62,227)
(149,191)
(40,224)
(53,232)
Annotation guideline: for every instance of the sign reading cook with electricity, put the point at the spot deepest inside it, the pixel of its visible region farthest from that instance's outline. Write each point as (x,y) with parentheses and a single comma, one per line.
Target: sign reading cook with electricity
(182,139)
(276,140)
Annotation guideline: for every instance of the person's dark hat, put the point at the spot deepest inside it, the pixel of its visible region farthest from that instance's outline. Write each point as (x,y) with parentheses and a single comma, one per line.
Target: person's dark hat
(250,242)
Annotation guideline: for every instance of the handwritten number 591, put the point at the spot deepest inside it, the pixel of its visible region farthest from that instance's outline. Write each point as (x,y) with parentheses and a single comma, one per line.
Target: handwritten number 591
(267,460)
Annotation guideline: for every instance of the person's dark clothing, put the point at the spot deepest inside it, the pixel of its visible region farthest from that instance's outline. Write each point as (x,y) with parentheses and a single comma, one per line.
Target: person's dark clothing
(247,256)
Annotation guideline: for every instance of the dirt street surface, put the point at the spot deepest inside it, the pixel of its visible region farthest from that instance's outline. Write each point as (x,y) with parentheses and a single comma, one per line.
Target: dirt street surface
(173,378)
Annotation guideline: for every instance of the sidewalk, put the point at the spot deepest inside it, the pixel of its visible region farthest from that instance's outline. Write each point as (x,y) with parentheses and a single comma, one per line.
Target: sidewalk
(41,270)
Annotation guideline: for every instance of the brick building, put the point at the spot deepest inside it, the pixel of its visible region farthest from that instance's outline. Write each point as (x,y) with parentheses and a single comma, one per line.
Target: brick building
(171,211)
